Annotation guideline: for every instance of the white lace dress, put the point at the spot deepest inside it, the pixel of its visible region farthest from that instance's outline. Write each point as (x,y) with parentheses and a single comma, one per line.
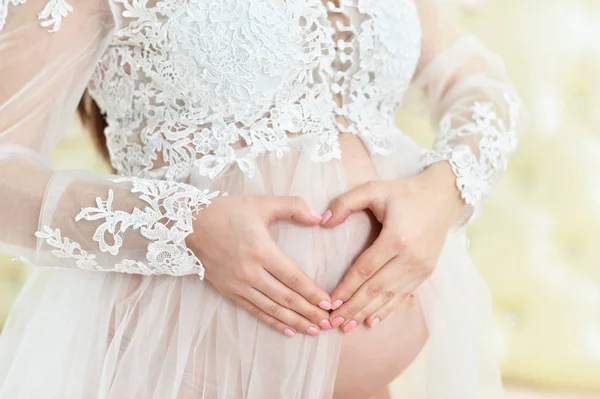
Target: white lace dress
(205,97)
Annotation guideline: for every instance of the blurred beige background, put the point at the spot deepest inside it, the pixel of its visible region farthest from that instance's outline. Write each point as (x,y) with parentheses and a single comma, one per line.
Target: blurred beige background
(538,241)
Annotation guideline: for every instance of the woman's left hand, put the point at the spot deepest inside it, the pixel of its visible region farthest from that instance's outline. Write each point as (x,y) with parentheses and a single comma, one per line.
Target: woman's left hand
(416,214)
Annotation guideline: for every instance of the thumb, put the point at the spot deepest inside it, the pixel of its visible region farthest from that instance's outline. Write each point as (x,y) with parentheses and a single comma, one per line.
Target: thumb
(293,208)
(357,199)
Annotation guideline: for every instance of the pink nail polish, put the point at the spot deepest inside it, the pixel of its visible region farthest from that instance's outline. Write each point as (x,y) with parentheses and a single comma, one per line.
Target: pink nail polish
(325,324)
(315,214)
(337,321)
(375,322)
(288,332)
(326,216)
(336,304)
(312,331)
(349,326)
(325,305)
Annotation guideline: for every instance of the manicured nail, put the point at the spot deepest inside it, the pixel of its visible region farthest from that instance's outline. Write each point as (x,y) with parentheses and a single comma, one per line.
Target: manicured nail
(375,322)
(325,324)
(312,331)
(336,304)
(288,332)
(349,326)
(315,214)
(326,216)
(337,321)
(325,305)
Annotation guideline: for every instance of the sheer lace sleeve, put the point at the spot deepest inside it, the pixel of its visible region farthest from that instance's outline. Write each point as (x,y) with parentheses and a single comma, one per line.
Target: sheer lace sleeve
(48,50)
(473,104)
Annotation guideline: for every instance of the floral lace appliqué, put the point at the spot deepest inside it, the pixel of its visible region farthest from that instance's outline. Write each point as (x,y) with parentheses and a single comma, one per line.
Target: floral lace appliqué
(51,15)
(166,221)
(185,84)
(477,164)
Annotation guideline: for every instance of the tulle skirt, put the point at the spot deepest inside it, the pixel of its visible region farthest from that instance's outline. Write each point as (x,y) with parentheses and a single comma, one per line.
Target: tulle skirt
(75,334)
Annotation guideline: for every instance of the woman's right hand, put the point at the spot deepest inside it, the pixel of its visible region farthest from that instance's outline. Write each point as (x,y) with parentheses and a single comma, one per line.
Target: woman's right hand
(242,261)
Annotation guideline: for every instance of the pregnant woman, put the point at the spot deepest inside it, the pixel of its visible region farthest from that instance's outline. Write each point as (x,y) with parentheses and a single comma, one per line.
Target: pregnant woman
(268,231)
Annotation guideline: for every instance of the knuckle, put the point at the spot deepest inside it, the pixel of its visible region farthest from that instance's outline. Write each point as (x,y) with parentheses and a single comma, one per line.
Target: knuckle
(314,316)
(294,282)
(364,272)
(272,310)
(255,311)
(352,309)
(405,296)
(374,289)
(416,257)
(400,243)
(387,296)
(359,317)
(289,301)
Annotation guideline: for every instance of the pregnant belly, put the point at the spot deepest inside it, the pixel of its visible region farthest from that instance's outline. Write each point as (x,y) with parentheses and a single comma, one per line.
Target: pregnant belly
(369,358)
(372,358)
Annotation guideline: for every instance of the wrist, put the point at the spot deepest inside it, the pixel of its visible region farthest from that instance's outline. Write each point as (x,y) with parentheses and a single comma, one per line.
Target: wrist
(439,181)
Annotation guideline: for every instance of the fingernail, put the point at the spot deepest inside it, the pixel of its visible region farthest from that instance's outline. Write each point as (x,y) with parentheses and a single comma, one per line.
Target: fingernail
(326,216)
(349,326)
(315,214)
(288,332)
(325,324)
(325,305)
(337,321)
(375,322)
(312,331)
(336,304)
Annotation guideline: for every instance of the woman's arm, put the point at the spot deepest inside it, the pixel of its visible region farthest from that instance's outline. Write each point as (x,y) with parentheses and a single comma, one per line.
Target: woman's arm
(92,221)
(472,102)
(476,111)
(100,222)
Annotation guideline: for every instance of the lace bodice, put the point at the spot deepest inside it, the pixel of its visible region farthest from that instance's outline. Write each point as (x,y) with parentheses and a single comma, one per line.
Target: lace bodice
(185,84)
(194,80)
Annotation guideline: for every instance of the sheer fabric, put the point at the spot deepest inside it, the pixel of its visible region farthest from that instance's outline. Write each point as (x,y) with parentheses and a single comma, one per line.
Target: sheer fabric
(472,102)
(163,124)
(84,220)
(197,95)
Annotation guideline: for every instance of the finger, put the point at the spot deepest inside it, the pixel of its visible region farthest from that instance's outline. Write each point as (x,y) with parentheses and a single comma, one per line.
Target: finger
(383,312)
(371,307)
(274,289)
(375,294)
(365,266)
(265,318)
(290,274)
(357,199)
(377,291)
(393,294)
(284,315)
(292,208)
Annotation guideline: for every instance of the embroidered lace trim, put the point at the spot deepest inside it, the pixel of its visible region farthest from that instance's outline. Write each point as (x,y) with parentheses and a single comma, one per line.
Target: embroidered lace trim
(166,221)
(477,169)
